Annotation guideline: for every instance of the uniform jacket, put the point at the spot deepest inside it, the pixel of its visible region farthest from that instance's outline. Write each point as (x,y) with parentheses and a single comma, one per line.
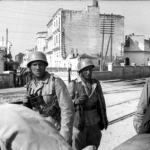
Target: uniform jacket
(44,88)
(142,106)
(101,106)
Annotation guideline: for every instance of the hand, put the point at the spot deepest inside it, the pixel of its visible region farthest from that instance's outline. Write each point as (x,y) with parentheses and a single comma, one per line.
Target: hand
(80,100)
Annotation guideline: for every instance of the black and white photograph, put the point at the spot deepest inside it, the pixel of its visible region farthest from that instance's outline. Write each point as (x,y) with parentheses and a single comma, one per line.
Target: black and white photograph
(74,75)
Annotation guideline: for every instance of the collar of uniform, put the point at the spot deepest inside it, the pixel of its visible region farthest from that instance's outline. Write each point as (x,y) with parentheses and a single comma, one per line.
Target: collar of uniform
(94,84)
(45,79)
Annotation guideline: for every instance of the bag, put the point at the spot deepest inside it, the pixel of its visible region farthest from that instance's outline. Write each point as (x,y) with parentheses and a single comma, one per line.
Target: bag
(79,120)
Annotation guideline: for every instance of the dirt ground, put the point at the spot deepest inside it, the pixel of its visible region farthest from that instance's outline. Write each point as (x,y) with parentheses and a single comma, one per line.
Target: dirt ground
(117,134)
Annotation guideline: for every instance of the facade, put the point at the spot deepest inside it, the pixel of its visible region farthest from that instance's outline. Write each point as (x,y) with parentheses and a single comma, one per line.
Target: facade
(78,32)
(19,58)
(136,50)
(41,41)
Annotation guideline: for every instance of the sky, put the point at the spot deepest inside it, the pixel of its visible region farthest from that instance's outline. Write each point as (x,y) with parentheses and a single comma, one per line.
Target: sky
(24,19)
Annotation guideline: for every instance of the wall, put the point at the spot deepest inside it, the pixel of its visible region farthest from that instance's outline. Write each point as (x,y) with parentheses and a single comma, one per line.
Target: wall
(2,59)
(82,32)
(121,72)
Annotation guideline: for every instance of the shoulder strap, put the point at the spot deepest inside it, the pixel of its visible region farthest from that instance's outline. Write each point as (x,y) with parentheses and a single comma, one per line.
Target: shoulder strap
(52,84)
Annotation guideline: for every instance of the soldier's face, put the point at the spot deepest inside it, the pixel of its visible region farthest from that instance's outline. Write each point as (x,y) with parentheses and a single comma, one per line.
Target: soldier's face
(38,68)
(87,72)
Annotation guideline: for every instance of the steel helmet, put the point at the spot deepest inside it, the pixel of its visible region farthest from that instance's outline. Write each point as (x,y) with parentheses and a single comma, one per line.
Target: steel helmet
(35,56)
(83,63)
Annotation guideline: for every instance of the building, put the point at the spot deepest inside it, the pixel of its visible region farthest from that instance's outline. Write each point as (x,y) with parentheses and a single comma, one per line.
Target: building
(136,50)
(25,56)
(2,61)
(19,58)
(41,41)
(79,32)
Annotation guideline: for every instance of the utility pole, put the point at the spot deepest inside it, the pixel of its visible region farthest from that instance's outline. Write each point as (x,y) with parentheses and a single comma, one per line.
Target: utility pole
(107,27)
(103,32)
(111,33)
(6,49)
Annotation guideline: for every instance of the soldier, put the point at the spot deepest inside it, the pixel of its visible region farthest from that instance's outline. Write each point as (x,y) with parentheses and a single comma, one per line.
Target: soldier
(48,95)
(90,108)
(18,77)
(141,120)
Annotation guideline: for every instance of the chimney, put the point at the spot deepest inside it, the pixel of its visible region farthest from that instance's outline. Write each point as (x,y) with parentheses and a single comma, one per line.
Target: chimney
(95,3)
(76,53)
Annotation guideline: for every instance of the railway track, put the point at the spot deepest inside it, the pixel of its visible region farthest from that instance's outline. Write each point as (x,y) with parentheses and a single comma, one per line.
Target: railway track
(123,102)
(121,118)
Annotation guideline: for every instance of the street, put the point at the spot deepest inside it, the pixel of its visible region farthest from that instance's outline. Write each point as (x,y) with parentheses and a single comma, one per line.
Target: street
(121,98)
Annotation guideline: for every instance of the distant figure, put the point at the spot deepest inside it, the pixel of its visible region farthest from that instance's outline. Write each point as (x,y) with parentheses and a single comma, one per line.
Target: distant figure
(28,78)
(18,77)
(141,119)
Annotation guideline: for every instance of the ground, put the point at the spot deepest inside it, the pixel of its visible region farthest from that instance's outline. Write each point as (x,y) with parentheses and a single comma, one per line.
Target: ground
(121,96)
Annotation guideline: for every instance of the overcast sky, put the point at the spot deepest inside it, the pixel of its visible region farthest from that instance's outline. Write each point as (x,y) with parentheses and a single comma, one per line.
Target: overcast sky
(25,18)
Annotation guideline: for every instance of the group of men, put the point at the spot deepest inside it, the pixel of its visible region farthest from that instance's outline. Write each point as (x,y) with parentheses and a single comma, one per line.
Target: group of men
(78,111)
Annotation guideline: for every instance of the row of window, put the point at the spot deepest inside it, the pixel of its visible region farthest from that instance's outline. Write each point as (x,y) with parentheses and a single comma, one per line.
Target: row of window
(56,39)
(55,24)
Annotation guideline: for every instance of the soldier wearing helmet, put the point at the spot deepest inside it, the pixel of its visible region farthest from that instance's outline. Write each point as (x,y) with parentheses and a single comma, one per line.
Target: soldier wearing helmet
(90,108)
(48,95)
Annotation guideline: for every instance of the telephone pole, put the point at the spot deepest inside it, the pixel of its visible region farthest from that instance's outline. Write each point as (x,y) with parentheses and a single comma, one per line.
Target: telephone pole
(107,27)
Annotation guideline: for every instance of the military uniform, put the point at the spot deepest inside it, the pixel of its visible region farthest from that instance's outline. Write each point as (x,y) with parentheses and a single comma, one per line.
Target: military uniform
(48,91)
(141,120)
(94,117)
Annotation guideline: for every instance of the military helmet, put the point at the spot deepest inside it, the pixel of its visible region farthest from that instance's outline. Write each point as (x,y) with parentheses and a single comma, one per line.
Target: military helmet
(83,63)
(35,56)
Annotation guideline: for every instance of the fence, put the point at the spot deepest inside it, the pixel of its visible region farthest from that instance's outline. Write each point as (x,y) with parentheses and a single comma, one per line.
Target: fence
(123,72)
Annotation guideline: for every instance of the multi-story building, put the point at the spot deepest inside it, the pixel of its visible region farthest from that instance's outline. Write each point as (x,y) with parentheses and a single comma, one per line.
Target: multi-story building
(136,50)
(80,32)
(41,41)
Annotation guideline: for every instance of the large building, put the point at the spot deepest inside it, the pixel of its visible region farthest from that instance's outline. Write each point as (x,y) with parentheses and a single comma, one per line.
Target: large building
(136,50)
(41,41)
(81,32)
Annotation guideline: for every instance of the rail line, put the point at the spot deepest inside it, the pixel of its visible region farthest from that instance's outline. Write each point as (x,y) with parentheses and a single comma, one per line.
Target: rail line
(121,118)
(123,102)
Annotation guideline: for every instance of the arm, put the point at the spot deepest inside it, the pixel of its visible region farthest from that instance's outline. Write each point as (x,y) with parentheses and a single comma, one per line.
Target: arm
(67,109)
(142,106)
(102,107)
